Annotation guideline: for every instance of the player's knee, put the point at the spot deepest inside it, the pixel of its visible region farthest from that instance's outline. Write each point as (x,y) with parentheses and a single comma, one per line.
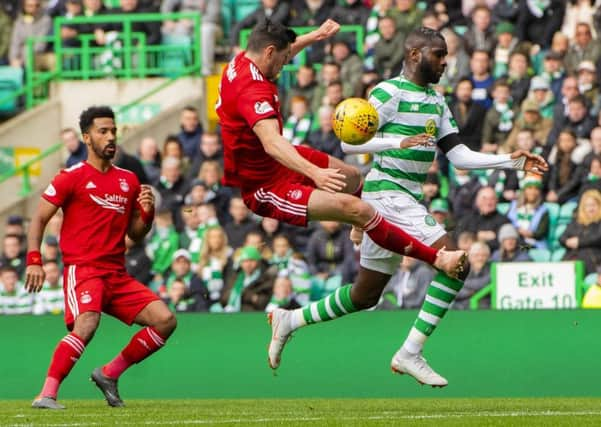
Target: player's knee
(86,325)
(358,211)
(167,322)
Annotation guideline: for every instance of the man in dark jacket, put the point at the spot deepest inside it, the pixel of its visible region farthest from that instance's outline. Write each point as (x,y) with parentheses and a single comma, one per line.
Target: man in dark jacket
(274,10)
(191,132)
(468,114)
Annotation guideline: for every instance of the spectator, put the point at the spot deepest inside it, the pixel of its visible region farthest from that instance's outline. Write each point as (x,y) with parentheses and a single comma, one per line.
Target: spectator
(540,92)
(509,249)
(124,160)
(210,150)
(162,244)
(457,61)
(380,9)
(330,72)
(407,287)
(408,16)
(151,29)
(241,223)
(389,49)
(529,215)
(305,85)
(14,225)
(334,94)
(439,209)
(538,21)
(324,139)
(211,174)
(530,118)
(505,46)
(191,132)
(562,169)
(431,20)
(137,263)
(582,237)
(69,33)
(478,277)
(172,186)
(172,147)
(592,177)
(50,299)
(569,90)
(150,158)
(330,251)
(311,13)
(350,12)
(430,189)
(592,297)
(191,236)
(180,269)
(485,222)
(498,121)
(274,10)
(481,35)
(553,72)
(505,10)
(518,79)
(270,227)
(465,240)
(468,114)
(14,299)
(463,189)
(95,8)
(585,48)
(578,11)
(481,78)
(594,148)
(179,298)
(299,123)
(282,252)
(210,12)
(75,147)
(198,194)
(215,259)
(50,250)
(6,26)
(577,120)
(31,22)
(283,296)
(587,85)
(250,287)
(13,254)
(351,66)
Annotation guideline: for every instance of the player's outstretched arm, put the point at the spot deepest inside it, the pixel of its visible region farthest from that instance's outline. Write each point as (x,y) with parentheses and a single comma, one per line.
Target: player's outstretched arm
(325,31)
(34,273)
(377,144)
(143,215)
(278,147)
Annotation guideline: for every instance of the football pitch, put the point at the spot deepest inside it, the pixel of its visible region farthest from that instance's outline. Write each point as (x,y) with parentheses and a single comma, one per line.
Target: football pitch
(312,412)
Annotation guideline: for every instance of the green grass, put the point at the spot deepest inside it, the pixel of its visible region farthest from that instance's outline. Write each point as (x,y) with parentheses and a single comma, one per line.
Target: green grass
(313,412)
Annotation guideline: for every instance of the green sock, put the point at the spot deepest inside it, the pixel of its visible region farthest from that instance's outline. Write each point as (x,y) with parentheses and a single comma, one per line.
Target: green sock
(335,305)
(441,293)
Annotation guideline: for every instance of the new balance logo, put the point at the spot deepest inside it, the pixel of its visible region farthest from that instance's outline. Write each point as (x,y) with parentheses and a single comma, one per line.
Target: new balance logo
(90,185)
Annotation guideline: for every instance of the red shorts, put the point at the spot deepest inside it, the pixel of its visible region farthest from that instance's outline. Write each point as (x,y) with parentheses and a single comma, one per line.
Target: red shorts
(114,292)
(287,196)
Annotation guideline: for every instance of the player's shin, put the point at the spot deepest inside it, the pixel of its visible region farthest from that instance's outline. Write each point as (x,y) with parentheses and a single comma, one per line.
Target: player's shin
(440,295)
(66,354)
(335,305)
(144,343)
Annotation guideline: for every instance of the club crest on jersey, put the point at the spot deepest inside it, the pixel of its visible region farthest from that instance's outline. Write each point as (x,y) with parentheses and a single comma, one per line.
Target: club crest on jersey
(85,298)
(295,194)
(431,127)
(124,185)
(263,107)
(50,191)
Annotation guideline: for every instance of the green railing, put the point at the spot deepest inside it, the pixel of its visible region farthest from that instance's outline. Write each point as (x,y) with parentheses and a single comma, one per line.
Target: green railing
(128,55)
(24,169)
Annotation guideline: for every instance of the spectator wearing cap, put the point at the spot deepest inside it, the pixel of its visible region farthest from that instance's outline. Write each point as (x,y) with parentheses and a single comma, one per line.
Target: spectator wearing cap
(351,66)
(13,254)
(588,85)
(510,249)
(585,48)
(481,34)
(180,269)
(389,49)
(506,44)
(468,113)
(553,72)
(529,118)
(250,287)
(540,91)
(457,61)
(498,121)
(529,215)
(439,209)
(539,21)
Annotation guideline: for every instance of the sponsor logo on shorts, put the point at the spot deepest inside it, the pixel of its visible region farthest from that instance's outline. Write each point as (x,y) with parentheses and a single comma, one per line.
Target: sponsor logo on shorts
(429,220)
(124,185)
(85,298)
(263,107)
(50,191)
(295,194)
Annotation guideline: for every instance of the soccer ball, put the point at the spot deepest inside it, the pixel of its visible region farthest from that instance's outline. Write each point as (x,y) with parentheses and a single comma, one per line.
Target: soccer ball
(355,121)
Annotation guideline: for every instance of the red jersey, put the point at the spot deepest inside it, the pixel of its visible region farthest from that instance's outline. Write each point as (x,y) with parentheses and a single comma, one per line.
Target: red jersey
(97,208)
(246,96)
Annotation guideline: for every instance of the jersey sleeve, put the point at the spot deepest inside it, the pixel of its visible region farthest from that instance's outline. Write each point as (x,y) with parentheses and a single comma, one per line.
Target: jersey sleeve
(257,103)
(59,190)
(381,97)
(448,125)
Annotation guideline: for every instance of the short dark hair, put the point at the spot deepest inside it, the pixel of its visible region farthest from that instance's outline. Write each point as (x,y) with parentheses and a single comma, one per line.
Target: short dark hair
(581,99)
(420,37)
(267,33)
(502,81)
(86,119)
(191,108)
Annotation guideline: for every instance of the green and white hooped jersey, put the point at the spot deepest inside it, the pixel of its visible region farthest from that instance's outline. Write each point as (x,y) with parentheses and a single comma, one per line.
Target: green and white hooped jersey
(406,109)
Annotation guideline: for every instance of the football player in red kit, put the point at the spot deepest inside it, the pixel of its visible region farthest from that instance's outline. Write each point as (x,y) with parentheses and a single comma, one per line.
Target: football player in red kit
(101,204)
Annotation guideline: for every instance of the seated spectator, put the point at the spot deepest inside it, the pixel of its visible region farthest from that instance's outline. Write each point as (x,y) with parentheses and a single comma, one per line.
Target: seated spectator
(124,160)
(14,299)
(481,35)
(578,11)
(588,85)
(51,251)
(270,227)
(162,244)
(390,48)
(31,22)
(330,73)
(50,299)
(191,236)
(582,237)
(93,8)
(255,239)
(517,76)
(69,33)
(6,26)
(311,13)
(561,189)
(468,114)
(585,48)
(481,78)
(592,297)
(274,10)
(506,44)
(430,189)
(509,248)
(304,85)
(150,158)
(439,209)
(183,299)
(540,91)
(241,223)
(465,240)
(498,121)
(151,29)
(463,189)
(577,119)
(172,187)
(282,252)
(211,174)
(210,150)
(180,269)
(250,287)
(350,12)
(537,22)
(408,16)
(407,287)
(324,139)
(529,215)
(14,225)
(457,62)
(529,118)
(300,121)
(137,263)
(485,221)
(330,252)
(191,132)
(351,66)
(75,147)
(13,254)
(283,296)
(478,277)
(172,147)
(214,261)
(199,193)
(553,72)
(592,179)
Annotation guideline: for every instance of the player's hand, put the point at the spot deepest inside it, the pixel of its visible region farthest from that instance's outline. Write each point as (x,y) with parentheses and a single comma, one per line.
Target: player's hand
(356,235)
(330,180)
(34,278)
(326,30)
(534,163)
(422,139)
(146,198)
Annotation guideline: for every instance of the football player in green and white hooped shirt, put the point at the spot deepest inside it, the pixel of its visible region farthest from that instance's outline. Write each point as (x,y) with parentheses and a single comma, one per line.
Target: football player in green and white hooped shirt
(414,121)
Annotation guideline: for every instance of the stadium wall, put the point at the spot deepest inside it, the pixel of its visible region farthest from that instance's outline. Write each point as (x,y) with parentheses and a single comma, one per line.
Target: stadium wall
(482,353)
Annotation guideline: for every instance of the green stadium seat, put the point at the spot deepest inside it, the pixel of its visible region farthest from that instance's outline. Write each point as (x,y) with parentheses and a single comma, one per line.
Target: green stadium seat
(558,254)
(554,242)
(566,212)
(553,209)
(227,16)
(540,255)
(174,60)
(590,279)
(503,208)
(11,80)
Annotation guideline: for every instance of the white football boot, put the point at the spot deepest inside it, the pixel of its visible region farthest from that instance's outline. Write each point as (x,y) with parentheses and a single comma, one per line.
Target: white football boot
(281,331)
(415,365)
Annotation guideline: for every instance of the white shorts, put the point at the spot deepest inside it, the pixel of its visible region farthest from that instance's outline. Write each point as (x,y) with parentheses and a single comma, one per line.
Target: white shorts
(413,217)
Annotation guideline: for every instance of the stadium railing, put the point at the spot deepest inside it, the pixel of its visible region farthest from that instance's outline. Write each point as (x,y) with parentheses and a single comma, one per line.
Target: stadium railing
(128,56)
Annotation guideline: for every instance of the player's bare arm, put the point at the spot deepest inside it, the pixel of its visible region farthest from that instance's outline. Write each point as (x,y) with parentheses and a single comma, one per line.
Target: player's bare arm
(279,148)
(325,31)
(34,274)
(141,221)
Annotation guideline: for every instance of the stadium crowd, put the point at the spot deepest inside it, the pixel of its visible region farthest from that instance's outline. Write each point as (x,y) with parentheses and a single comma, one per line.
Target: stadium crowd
(519,74)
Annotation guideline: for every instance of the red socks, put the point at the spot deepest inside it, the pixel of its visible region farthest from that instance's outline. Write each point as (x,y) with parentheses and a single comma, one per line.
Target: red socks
(142,345)
(391,237)
(66,354)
